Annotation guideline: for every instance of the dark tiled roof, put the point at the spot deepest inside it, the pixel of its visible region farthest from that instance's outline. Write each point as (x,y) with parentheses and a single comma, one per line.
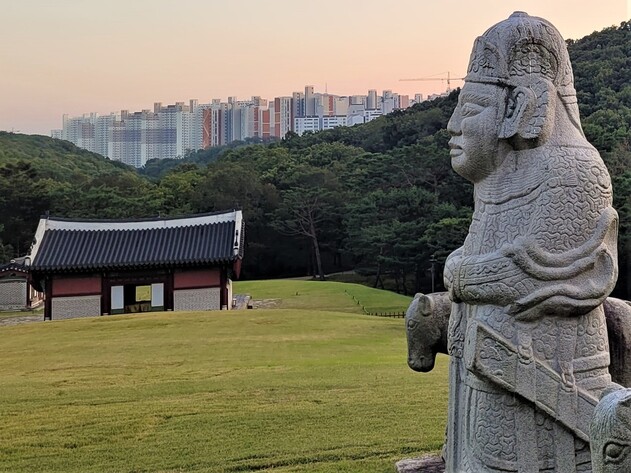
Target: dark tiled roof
(13,267)
(128,248)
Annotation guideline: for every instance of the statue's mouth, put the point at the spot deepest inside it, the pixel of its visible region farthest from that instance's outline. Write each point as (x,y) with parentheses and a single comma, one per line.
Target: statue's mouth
(455,150)
(421,364)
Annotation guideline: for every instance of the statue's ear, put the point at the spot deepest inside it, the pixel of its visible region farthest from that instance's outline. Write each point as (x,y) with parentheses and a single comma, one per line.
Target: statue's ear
(517,120)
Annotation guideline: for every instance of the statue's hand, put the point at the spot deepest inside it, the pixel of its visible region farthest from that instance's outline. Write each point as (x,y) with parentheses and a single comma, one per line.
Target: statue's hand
(492,278)
(497,293)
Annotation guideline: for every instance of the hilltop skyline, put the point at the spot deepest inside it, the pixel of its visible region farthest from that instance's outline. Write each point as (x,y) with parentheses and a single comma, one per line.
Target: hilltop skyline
(71,57)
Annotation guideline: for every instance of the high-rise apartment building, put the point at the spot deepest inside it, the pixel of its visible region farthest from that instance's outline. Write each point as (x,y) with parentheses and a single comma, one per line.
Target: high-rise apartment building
(283,116)
(371,100)
(309,101)
(404,102)
(80,131)
(171,131)
(298,104)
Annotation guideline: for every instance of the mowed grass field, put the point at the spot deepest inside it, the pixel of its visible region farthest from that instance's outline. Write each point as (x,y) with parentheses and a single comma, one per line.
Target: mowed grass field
(313,386)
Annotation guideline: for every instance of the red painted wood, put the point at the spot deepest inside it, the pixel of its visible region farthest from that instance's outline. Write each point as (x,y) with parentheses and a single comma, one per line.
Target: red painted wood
(236,268)
(196,278)
(89,285)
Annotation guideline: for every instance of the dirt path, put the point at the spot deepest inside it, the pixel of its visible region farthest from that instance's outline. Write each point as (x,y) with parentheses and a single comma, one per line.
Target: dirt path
(20,319)
(265,303)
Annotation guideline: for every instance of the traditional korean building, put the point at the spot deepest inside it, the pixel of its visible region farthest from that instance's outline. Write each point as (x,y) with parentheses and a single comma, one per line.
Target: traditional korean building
(100,267)
(16,290)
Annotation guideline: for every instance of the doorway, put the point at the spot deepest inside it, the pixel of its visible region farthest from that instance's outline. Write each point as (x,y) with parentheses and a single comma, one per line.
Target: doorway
(133,298)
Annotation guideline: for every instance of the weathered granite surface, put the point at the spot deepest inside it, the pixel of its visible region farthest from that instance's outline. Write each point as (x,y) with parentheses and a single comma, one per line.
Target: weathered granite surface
(527,333)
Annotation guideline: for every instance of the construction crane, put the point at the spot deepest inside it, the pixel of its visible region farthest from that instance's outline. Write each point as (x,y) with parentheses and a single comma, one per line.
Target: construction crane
(448,79)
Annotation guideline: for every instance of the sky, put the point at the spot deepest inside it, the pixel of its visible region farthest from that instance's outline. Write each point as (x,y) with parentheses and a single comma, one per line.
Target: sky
(81,56)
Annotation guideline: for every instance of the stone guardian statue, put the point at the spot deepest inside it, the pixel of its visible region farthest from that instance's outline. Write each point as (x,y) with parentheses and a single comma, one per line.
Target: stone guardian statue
(527,333)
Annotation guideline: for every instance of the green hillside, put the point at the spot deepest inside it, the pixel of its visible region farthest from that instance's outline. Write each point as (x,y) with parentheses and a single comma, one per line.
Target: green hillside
(55,159)
(353,298)
(40,174)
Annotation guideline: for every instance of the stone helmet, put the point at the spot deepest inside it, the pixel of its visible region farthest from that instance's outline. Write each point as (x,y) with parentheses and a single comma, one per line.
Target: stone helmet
(528,52)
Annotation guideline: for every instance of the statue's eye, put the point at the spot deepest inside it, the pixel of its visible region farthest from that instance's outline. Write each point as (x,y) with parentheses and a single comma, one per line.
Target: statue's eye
(470,109)
(615,452)
(412,324)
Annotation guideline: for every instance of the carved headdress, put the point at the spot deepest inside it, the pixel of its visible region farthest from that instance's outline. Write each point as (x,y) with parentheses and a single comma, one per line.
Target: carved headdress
(525,51)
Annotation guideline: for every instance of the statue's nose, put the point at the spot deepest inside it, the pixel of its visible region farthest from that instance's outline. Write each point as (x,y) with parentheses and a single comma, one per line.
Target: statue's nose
(453,126)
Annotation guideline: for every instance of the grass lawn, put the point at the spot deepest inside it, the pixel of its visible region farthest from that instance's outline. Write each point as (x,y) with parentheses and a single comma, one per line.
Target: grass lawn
(298,389)
(324,295)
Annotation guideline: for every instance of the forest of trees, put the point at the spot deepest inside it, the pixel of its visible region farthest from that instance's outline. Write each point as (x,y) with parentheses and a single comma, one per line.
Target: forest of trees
(378,198)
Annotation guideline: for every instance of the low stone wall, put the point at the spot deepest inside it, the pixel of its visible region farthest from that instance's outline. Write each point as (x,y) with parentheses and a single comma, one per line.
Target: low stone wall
(74,307)
(197,299)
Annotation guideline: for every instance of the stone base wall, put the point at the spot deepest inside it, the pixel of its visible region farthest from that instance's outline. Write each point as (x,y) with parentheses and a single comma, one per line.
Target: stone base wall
(74,307)
(197,299)
(13,295)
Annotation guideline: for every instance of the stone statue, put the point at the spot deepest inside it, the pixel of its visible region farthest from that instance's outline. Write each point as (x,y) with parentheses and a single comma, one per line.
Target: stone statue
(427,322)
(527,333)
(610,433)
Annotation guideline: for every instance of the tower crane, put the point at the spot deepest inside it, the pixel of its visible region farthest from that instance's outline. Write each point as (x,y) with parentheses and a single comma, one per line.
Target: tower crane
(448,79)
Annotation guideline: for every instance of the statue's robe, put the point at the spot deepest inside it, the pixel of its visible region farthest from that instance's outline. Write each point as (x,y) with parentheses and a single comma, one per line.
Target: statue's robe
(527,334)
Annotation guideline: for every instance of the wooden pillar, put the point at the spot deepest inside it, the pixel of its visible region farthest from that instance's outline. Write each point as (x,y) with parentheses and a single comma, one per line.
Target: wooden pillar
(106,295)
(223,293)
(28,291)
(48,298)
(168,291)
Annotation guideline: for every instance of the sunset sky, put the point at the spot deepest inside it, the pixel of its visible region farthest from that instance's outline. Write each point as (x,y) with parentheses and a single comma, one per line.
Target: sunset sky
(80,56)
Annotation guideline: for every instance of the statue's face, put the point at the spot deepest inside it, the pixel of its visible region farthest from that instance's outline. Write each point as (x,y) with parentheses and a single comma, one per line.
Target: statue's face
(474,129)
(610,433)
(611,454)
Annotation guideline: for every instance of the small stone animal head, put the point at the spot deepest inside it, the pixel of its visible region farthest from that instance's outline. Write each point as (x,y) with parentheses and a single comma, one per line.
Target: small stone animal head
(426,322)
(610,433)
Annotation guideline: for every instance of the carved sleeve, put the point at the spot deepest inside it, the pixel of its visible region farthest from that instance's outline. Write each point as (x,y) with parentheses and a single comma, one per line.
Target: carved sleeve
(573,281)
(452,266)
